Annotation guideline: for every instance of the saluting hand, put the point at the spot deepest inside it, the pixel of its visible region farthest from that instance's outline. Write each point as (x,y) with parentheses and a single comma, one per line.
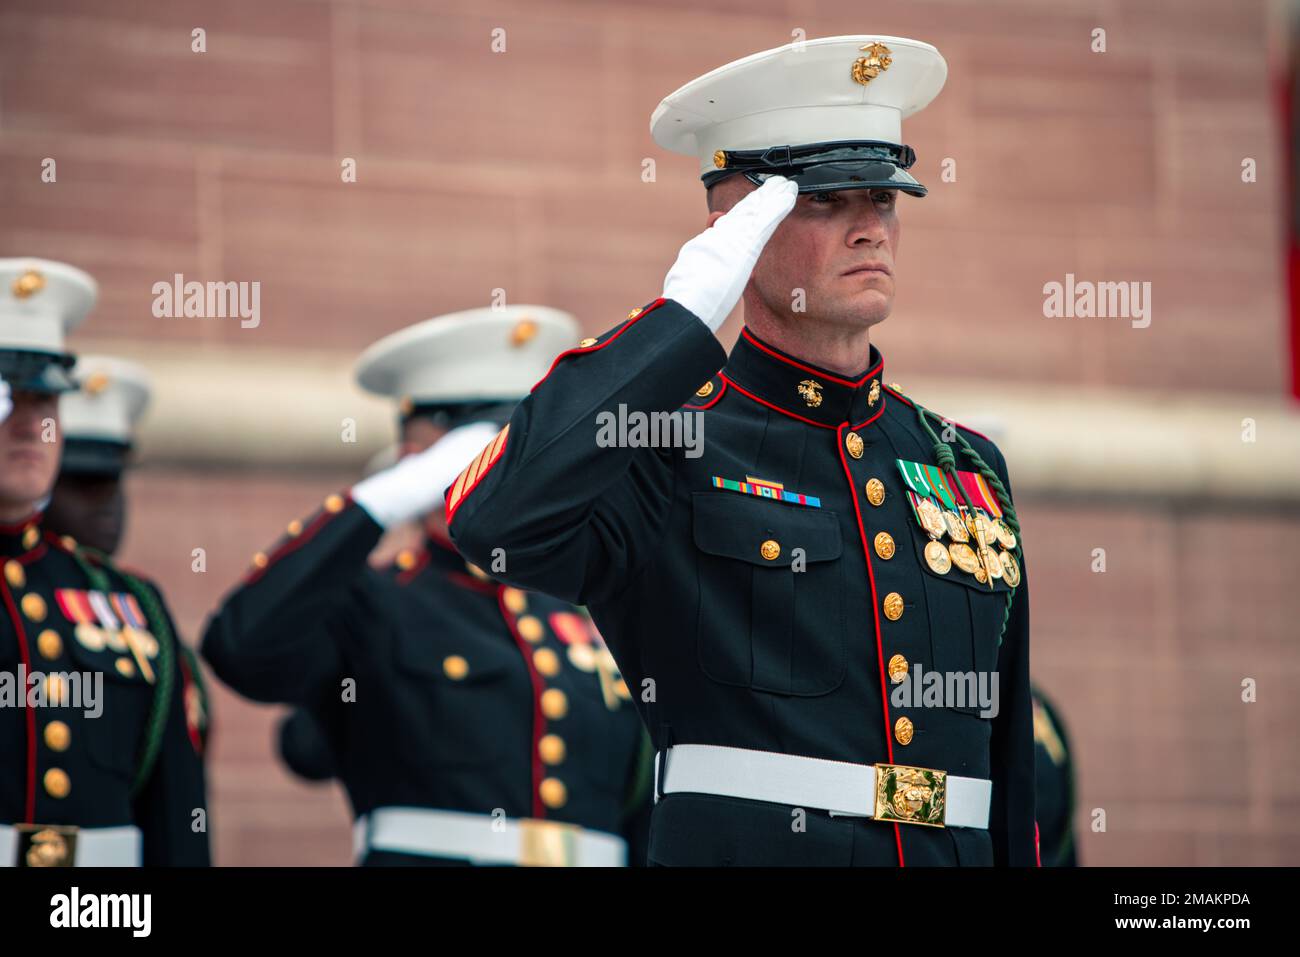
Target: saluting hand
(712,269)
(414,486)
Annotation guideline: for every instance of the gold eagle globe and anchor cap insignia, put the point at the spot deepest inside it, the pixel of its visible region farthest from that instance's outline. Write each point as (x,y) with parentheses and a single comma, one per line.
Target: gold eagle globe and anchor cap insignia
(876,62)
(810,390)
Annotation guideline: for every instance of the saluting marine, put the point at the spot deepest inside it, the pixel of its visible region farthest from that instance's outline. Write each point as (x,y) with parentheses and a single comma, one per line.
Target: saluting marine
(769,595)
(470,722)
(100,767)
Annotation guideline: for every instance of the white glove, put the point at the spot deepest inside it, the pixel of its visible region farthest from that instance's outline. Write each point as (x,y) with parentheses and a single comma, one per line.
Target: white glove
(6,403)
(414,486)
(712,269)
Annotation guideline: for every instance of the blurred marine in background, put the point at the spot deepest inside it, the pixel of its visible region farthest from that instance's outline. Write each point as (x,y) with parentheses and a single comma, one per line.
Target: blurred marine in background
(469,722)
(98,766)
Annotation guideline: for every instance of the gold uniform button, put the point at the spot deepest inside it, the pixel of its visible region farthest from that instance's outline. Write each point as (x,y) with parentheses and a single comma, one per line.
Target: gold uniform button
(334,503)
(530,629)
(49,644)
(294,527)
(33,606)
(546,662)
(554,793)
(903,731)
(897,669)
(260,560)
(406,559)
(455,667)
(57,736)
(514,600)
(31,537)
(14,574)
(885,545)
(69,542)
(853,442)
(893,606)
(555,704)
(770,550)
(551,749)
(126,667)
(586,343)
(875,491)
(57,783)
(705,390)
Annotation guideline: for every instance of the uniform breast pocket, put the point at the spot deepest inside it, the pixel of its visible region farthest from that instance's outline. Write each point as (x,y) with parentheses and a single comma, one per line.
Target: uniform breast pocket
(460,696)
(771,594)
(966,618)
(114,725)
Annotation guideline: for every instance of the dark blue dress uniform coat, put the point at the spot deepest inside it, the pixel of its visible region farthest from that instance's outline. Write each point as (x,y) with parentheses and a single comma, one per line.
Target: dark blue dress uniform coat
(723,645)
(60,766)
(465,695)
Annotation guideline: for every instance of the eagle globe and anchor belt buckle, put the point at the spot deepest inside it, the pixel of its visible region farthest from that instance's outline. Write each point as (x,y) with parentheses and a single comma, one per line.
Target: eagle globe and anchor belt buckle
(909,795)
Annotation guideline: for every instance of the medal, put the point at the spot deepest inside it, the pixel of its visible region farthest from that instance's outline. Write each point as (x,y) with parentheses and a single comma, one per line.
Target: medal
(582,657)
(991,563)
(1010,569)
(89,636)
(1006,537)
(937,557)
(964,557)
(931,517)
(113,640)
(956,530)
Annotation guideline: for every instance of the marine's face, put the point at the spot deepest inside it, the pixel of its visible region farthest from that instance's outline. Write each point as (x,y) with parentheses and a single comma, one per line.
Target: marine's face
(90,508)
(28,463)
(839,248)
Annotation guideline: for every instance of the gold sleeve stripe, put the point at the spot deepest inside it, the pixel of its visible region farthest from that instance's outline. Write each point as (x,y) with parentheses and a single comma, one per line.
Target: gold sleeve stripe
(476,470)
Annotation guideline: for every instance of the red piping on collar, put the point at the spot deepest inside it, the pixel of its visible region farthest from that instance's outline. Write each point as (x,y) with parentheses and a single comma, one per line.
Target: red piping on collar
(754,341)
(600,345)
(13,528)
(875,613)
(902,398)
(712,402)
(775,408)
(879,412)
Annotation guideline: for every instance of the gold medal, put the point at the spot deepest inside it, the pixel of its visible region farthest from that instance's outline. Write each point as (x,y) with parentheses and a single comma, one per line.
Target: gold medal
(113,639)
(956,530)
(1010,569)
(583,657)
(1006,537)
(963,556)
(936,556)
(981,575)
(89,636)
(931,518)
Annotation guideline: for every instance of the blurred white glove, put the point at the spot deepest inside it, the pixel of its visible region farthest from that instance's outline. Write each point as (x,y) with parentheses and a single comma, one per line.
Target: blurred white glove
(712,269)
(6,403)
(414,486)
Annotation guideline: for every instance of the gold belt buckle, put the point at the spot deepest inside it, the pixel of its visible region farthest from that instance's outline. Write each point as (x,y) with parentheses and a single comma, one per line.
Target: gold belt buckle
(911,795)
(548,843)
(46,845)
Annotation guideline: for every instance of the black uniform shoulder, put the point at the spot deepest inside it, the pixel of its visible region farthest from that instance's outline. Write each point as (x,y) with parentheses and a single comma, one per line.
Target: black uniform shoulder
(908,410)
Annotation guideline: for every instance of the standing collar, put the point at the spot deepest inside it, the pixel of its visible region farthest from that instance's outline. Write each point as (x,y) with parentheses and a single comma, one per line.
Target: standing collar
(16,538)
(804,391)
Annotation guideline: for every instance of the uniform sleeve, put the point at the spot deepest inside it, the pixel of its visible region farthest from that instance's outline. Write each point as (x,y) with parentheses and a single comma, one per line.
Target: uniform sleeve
(305,748)
(275,633)
(171,808)
(1011,818)
(551,504)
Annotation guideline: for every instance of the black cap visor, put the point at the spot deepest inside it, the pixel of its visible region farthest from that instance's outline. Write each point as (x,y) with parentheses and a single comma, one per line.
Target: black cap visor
(826,167)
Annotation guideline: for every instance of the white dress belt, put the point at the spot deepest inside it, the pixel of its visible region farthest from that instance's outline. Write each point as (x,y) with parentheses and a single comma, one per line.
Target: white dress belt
(90,846)
(485,839)
(839,787)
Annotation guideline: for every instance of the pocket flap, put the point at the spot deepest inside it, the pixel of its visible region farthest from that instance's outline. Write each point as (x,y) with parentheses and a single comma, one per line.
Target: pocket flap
(739,526)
